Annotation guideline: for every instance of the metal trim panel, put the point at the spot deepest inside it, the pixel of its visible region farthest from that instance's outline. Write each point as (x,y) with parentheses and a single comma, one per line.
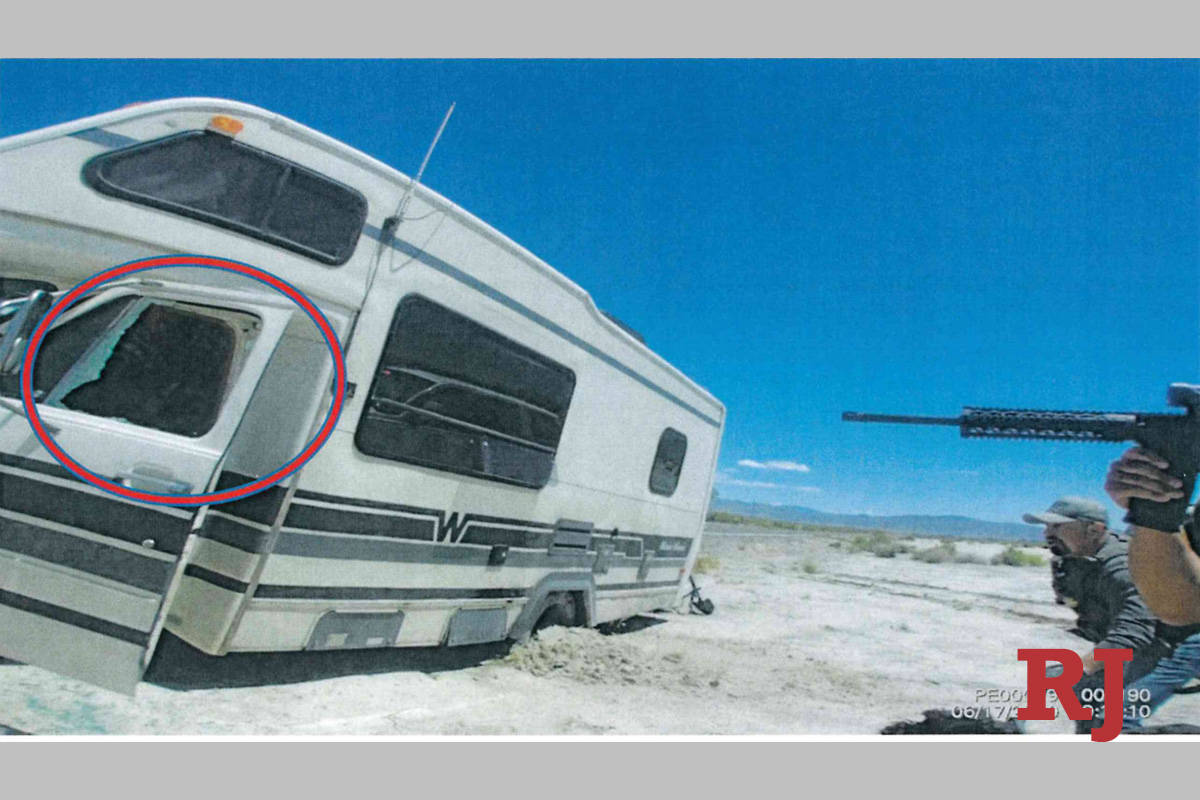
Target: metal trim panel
(477,626)
(97,658)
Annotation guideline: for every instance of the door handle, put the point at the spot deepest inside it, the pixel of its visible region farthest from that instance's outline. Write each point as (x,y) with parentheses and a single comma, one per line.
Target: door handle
(157,482)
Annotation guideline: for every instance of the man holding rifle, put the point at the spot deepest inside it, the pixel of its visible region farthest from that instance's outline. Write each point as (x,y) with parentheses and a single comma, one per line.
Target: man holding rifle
(1164,563)
(1093,561)
(1153,481)
(1166,570)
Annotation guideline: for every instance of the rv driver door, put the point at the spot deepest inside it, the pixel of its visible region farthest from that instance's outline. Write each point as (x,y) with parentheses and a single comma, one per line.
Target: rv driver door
(144,384)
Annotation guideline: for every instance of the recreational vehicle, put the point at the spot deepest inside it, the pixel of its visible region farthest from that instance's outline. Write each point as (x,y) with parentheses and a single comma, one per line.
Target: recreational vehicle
(507,456)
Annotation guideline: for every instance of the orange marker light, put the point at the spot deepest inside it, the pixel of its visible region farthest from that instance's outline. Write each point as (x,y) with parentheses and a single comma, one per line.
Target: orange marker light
(223,124)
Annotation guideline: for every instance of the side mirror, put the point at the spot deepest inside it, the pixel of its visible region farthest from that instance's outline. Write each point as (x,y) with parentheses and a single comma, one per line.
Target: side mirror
(16,334)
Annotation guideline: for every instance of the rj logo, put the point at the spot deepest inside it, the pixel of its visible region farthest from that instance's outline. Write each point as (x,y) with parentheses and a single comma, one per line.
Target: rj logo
(1111,658)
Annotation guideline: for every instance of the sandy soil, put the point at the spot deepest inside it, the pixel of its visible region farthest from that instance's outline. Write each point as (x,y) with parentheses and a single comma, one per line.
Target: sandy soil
(808,638)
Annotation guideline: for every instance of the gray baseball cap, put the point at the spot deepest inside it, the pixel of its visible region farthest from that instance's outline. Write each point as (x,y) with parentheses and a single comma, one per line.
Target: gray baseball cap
(1070,509)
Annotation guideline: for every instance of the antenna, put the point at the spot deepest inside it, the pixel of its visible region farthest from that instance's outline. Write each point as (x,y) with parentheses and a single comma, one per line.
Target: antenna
(393,222)
(412,185)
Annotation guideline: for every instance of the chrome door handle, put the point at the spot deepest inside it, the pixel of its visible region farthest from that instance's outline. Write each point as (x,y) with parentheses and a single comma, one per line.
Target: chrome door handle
(153,482)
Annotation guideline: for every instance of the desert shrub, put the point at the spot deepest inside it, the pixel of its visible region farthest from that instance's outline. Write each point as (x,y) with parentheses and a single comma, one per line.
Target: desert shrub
(969,558)
(705,565)
(1013,556)
(940,553)
(782,524)
(877,542)
(810,567)
(758,522)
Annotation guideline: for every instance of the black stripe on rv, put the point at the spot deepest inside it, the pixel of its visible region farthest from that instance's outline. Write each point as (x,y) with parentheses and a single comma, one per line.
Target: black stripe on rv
(375,593)
(262,508)
(531,534)
(74,618)
(96,513)
(33,465)
(85,555)
(282,592)
(229,526)
(216,578)
(304,494)
(342,592)
(233,533)
(437,527)
(485,535)
(330,519)
(620,587)
(318,545)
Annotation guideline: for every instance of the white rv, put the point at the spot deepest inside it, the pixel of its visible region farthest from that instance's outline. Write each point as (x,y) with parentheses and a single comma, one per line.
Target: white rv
(507,456)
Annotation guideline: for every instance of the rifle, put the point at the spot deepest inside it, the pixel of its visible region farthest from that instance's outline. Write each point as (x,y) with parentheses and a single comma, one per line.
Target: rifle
(1175,437)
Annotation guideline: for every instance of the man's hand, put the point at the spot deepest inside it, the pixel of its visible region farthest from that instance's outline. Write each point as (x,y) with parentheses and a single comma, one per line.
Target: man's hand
(1141,473)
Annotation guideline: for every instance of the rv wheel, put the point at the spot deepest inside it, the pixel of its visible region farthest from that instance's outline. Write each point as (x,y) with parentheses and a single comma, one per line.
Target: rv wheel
(559,611)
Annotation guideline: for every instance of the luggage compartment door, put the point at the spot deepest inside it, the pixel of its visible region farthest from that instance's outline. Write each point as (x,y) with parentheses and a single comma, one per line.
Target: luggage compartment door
(145,386)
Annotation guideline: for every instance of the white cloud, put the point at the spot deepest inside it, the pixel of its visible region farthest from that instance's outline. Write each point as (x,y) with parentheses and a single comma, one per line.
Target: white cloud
(764,485)
(754,484)
(785,466)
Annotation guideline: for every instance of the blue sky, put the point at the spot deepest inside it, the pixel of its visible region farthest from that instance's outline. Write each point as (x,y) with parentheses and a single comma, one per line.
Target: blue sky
(806,237)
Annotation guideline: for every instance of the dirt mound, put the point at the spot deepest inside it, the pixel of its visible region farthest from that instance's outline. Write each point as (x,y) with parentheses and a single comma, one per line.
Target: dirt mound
(587,656)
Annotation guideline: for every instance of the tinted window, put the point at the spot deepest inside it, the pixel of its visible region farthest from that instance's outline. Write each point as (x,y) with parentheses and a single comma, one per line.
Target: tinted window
(166,371)
(216,179)
(454,395)
(66,344)
(149,364)
(20,287)
(62,346)
(668,462)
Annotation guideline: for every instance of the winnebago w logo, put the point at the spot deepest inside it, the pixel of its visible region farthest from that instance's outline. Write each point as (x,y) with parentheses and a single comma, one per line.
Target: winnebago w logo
(451,528)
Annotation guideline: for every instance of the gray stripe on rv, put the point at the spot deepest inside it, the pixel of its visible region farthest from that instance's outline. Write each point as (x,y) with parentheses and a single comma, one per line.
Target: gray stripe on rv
(317,545)
(104,138)
(75,552)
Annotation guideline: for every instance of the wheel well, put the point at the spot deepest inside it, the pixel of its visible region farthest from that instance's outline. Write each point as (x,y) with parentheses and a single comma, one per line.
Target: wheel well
(556,585)
(580,609)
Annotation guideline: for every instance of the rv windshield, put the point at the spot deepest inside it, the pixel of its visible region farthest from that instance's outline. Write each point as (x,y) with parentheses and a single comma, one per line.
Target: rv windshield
(15,293)
(21,288)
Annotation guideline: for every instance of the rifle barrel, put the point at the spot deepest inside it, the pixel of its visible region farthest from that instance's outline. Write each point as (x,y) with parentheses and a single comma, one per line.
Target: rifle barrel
(854,416)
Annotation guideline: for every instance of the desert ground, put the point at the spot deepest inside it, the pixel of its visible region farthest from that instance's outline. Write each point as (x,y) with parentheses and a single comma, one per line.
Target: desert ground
(810,636)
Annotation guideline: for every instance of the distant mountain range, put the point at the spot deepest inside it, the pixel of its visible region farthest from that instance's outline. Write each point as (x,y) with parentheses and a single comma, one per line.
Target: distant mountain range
(927,525)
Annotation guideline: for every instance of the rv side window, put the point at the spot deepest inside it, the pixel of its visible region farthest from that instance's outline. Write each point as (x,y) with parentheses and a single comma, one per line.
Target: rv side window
(150,364)
(454,395)
(215,179)
(668,462)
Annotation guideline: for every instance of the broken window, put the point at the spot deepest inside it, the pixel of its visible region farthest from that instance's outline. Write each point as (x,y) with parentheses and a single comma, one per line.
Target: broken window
(146,362)
(166,369)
